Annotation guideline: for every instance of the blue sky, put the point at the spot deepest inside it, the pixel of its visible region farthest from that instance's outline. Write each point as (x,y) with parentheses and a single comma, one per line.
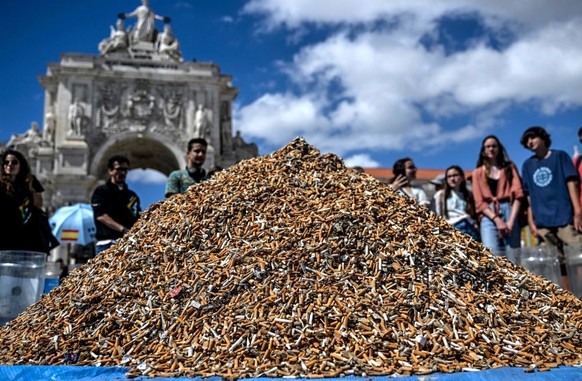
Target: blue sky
(369,80)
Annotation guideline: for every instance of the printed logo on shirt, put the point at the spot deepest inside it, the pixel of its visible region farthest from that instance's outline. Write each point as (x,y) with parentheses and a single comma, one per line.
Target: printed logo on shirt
(542,177)
(132,205)
(25,210)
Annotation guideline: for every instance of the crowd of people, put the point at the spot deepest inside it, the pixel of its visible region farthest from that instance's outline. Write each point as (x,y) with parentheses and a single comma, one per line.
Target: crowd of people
(547,196)
(499,202)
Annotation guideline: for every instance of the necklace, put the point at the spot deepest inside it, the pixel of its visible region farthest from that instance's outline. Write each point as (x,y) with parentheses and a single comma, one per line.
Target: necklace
(494,172)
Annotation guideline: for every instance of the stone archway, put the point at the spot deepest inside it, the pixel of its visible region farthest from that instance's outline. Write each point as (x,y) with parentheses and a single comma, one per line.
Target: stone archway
(140,103)
(144,150)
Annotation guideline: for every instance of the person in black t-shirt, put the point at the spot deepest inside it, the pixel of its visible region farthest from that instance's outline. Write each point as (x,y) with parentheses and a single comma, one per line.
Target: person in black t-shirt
(115,207)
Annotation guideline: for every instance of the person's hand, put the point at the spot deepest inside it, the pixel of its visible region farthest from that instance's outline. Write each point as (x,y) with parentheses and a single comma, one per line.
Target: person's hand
(399,182)
(502,229)
(578,221)
(533,229)
(509,225)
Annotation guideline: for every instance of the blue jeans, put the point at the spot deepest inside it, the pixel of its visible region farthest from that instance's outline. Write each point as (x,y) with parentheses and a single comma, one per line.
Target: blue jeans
(489,235)
(468,228)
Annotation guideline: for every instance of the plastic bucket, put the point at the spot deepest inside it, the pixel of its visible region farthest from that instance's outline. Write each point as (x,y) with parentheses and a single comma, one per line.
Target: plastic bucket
(543,261)
(513,254)
(52,276)
(574,268)
(21,281)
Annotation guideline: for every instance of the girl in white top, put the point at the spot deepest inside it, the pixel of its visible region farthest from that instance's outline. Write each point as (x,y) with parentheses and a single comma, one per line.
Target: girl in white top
(404,174)
(455,203)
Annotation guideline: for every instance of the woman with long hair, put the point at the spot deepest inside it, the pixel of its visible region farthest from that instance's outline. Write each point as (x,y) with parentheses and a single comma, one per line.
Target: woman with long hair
(498,195)
(20,203)
(455,202)
(404,172)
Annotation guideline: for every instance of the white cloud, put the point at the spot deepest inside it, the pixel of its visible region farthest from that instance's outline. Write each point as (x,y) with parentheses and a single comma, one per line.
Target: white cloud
(146,176)
(292,14)
(278,118)
(183,5)
(380,88)
(362,160)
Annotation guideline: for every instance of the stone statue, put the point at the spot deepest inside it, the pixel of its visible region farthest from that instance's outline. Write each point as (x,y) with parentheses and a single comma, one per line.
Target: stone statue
(32,135)
(48,133)
(76,115)
(202,121)
(168,45)
(144,29)
(117,40)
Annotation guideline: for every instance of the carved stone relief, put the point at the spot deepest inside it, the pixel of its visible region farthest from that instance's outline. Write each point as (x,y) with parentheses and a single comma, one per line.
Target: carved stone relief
(172,108)
(141,107)
(109,104)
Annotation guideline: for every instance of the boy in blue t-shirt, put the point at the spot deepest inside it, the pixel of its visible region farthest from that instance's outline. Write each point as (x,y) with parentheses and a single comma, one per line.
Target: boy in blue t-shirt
(550,182)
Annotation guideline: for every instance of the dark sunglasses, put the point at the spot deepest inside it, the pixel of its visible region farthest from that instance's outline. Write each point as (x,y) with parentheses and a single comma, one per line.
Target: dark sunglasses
(11,162)
(121,169)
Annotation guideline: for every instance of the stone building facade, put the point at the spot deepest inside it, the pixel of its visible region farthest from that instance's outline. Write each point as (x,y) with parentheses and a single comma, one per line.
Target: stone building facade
(137,98)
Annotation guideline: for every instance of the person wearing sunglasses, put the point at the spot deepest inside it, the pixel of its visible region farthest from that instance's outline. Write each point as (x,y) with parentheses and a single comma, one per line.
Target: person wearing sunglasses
(23,223)
(115,207)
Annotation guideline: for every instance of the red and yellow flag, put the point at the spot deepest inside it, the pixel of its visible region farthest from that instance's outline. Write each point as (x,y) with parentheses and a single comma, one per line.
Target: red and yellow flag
(69,235)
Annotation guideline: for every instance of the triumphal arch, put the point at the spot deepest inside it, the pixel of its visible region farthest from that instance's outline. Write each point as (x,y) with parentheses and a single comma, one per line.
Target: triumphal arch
(137,97)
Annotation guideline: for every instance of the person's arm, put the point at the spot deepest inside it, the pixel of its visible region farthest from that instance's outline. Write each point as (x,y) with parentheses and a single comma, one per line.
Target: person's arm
(123,16)
(517,194)
(575,199)
(106,220)
(515,206)
(438,200)
(530,219)
(478,192)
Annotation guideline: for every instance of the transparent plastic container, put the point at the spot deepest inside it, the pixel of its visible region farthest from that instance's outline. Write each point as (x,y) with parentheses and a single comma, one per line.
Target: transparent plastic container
(574,268)
(52,276)
(543,261)
(21,281)
(513,254)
